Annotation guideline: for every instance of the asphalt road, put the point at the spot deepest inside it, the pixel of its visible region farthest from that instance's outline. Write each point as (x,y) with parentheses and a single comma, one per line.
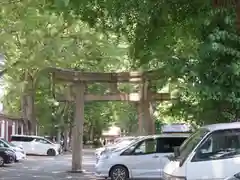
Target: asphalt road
(49,168)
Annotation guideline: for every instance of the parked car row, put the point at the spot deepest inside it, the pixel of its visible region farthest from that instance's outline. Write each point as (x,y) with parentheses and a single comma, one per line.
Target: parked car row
(211,152)
(20,145)
(10,153)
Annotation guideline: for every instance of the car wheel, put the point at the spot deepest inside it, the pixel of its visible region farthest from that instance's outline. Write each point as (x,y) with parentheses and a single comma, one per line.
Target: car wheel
(1,161)
(51,152)
(119,173)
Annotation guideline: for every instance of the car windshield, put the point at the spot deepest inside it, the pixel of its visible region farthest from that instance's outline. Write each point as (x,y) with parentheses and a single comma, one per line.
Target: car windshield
(117,140)
(126,143)
(9,143)
(49,141)
(131,143)
(189,144)
(122,144)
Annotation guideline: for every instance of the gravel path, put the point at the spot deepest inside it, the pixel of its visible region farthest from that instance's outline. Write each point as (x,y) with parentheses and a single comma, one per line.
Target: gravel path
(49,168)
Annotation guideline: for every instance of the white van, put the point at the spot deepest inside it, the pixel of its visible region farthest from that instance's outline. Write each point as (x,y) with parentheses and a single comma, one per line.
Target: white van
(36,145)
(212,152)
(145,158)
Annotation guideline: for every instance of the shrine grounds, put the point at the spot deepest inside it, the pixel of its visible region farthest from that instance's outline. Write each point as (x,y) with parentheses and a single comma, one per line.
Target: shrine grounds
(49,168)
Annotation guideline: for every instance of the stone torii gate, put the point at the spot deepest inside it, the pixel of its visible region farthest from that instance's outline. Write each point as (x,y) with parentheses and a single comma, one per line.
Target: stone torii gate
(145,127)
(79,81)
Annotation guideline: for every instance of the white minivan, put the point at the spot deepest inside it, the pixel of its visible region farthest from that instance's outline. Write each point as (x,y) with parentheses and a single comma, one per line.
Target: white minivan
(212,152)
(144,158)
(36,145)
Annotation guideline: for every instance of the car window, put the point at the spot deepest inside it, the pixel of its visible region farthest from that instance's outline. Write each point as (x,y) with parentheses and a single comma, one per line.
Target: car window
(219,145)
(167,144)
(130,149)
(7,143)
(191,143)
(2,144)
(22,138)
(147,146)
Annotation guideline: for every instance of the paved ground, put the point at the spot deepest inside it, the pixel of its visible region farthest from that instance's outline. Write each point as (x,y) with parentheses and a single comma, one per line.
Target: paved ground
(48,168)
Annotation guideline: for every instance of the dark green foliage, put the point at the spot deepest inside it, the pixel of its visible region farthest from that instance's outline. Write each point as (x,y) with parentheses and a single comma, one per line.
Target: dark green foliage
(214,84)
(195,48)
(149,26)
(218,67)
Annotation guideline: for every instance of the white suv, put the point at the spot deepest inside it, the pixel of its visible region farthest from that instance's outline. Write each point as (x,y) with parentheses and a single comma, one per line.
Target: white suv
(145,158)
(36,145)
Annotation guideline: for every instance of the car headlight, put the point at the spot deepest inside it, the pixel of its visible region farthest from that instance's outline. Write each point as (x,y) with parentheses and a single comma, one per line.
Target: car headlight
(234,177)
(102,153)
(103,157)
(170,177)
(178,178)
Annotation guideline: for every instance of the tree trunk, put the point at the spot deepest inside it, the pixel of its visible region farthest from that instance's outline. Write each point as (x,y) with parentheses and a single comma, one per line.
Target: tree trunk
(32,119)
(27,105)
(70,136)
(65,140)
(30,105)
(58,135)
(53,95)
(24,114)
(91,134)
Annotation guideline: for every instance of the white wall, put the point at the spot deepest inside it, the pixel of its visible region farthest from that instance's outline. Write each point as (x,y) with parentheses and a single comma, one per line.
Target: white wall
(2,129)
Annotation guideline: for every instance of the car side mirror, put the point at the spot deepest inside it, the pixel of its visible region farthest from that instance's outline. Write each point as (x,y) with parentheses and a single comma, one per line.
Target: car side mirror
(201,154)
(176,151)
(203,151)
(138,151)
(1,145)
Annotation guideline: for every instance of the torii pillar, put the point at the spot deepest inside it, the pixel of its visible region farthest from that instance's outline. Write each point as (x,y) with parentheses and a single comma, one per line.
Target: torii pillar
(78,127)
(145,117)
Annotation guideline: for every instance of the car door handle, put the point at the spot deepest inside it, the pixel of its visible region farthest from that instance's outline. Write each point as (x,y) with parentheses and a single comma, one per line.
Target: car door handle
(155,156)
